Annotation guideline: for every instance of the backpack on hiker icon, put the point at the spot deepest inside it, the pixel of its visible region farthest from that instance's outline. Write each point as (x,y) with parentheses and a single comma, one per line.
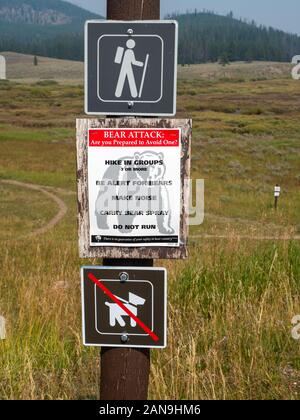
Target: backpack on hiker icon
(119,55)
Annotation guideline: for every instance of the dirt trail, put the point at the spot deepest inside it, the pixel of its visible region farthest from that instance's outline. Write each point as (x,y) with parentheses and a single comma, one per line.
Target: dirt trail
(62,208)
(224,219)
(193,238)
(282,237)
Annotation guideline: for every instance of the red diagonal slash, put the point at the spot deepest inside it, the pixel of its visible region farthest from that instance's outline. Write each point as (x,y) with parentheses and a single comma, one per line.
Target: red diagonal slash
(104,289)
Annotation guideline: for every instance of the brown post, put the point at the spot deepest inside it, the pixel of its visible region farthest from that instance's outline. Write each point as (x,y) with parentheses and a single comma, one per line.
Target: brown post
(133,9)
(125,372)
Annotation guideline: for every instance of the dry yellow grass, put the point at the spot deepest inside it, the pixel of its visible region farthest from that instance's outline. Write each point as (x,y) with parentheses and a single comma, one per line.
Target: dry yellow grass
(21,67)
(237,70)
(230,308)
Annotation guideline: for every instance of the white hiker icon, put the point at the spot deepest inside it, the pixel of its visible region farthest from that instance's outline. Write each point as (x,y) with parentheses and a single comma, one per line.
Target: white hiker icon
(116,313)
(127,60)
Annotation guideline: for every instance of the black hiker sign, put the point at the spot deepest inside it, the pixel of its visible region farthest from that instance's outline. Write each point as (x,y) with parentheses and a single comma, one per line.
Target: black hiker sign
(131,68)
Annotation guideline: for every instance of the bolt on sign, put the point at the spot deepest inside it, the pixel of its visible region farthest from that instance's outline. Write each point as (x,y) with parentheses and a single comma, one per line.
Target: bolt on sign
(131,68)
(124,307)
(132,196)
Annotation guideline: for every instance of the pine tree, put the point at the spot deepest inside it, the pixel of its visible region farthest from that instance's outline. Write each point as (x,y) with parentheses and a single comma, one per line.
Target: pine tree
(224,60)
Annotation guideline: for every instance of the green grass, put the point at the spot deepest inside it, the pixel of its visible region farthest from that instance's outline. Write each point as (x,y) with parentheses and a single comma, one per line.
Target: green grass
(229,324)
(230,305)
(22,212)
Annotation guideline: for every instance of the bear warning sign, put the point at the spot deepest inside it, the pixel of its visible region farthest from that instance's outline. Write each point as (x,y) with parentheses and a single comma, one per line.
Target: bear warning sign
(134,186)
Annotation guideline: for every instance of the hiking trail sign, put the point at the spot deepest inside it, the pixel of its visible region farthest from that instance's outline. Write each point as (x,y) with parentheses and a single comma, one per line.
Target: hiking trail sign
(131,68)
(132,190)
(124,306)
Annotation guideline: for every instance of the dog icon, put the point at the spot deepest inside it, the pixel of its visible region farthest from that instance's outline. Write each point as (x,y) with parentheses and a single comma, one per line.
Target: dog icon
(116,314)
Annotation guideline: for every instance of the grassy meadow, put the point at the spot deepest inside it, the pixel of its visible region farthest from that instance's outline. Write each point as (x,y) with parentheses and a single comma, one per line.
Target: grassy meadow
(230,304)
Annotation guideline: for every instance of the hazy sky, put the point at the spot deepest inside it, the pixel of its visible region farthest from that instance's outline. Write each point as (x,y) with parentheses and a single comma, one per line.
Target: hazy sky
(282,14)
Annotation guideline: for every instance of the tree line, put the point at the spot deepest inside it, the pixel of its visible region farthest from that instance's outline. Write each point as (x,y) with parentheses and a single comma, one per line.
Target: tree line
(207,37)
(203,37)
(67,46)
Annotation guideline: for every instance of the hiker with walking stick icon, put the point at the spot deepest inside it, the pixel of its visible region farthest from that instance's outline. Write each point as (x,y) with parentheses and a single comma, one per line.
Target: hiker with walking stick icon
(127,60)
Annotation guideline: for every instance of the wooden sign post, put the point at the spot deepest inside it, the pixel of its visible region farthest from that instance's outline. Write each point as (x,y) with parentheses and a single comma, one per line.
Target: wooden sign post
(102,171)
(127,370)
(117,158)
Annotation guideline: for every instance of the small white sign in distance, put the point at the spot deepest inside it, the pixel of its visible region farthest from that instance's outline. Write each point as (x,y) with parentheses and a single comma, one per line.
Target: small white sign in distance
(277,191)
(2,328)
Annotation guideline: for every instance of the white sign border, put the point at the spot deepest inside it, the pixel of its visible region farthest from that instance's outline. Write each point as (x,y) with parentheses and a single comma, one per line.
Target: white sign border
(137,244)
(128,100)
(90,267)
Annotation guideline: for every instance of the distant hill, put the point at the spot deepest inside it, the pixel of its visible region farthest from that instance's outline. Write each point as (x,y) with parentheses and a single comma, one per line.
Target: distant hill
(51,28)
(206,37)
(54,28)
